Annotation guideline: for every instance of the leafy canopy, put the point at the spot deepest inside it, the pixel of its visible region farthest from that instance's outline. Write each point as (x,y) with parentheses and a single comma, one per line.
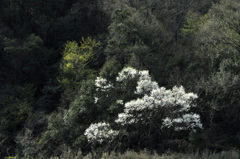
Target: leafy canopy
(76,58)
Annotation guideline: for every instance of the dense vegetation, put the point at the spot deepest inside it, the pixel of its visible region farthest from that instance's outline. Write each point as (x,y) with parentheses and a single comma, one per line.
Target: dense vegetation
(92,77)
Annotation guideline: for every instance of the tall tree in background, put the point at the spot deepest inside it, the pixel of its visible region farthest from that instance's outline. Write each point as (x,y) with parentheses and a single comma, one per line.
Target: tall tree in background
(137,38)
(216,38)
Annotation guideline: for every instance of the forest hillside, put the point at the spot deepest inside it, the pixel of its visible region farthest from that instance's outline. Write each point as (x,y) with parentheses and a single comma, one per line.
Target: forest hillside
(132,77)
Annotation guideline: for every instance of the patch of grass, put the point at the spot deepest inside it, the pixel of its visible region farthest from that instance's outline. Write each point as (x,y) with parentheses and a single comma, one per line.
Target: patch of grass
(146,155)
(203,155)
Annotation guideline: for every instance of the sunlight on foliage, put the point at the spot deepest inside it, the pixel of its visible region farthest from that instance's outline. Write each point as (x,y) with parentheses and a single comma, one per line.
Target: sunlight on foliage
(76,57)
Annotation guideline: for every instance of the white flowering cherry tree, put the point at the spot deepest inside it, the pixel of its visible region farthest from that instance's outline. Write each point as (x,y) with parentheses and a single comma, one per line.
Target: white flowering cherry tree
(100,132)
(171,107)
(156,108)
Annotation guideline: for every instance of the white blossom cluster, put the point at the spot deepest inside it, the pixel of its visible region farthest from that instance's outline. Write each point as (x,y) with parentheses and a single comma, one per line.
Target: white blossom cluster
(174,105)
(144,75)
(100,132)
(176,102)
(120,102)
(175,97)
(144,84)
(126,74)
(96,99)
(187,121)
(133,110)
(103,84)
(124,119)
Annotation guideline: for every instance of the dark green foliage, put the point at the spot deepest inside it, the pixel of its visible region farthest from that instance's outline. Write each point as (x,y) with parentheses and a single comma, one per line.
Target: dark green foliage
(47,100)
(63,125)
(138,39)
(110,70)
(27,61)
(214,40)
(222,103)
(50,95)
(15,104)
(134,35)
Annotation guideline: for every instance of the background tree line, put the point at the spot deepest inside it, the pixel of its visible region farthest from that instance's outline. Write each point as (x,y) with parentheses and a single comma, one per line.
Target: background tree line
(52,51)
